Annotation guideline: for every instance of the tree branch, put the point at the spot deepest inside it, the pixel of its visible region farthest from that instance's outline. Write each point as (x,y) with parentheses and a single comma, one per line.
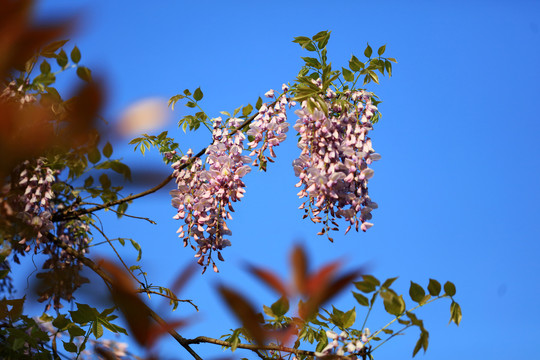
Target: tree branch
(252,347)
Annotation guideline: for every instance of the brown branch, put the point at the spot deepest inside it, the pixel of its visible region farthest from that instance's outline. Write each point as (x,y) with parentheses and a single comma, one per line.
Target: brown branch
(75,214)
(252,347)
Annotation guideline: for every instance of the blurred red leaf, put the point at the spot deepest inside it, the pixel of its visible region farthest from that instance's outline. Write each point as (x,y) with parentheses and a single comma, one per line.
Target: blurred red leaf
(270,279)
(136,312)
(299,263)
(245,312)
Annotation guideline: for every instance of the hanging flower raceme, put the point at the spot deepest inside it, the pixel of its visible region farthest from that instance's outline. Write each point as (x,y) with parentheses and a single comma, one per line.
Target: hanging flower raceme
(32,202)
(269,127)
(333,165)
(206,191)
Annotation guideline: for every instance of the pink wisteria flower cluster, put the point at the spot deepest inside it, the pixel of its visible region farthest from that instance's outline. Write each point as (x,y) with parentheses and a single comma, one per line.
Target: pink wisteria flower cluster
(333,166)
(269,128)
(205,193)
(27,205)
(206,189)
(32,205)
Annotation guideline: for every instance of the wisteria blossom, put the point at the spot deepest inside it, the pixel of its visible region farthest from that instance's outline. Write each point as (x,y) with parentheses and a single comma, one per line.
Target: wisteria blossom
(342,345)
(207,188)
(269,128)
(333,164)
(206,191)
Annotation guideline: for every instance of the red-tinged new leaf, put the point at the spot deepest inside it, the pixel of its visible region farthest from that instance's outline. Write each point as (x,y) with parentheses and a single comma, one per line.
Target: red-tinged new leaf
(321,278)
(269,279)
(299,263)
(245,312)
(338,285)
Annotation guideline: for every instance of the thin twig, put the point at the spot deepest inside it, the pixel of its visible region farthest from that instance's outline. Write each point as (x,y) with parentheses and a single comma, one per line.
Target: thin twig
(146,291)
(118,255)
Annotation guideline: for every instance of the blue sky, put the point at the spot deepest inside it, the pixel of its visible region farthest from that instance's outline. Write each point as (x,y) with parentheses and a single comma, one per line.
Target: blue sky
(457,186)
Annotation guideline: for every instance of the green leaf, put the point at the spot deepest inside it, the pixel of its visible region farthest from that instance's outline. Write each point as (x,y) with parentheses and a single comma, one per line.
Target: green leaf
(302,40)
(361,299)
(107,149)
(84,314)
(355,64)
(75,55)
(45,67)
(388,282)
(259,103)
(187,92)
(84,73)
(416,292)
(349,318)
(61,58)
(310,47)
(393,304)
(268,311)
(191,104)
(368,283)
(69,346)
(18,343)
(280,307)
(388,67)
(51,48)
(94,155)
(368,51)
(247,110)
(392,60)
(97,329)
(74,331)
(138,248)
(374,76)
(455,313)
(313,62)
(60,322)
(449,288)
(347,74)
(381,50)
(434,287)
(198,94)
(105,181)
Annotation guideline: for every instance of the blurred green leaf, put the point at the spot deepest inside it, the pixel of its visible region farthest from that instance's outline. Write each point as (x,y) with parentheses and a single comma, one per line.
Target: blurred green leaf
(280,307)
(84,73)
(107,149)
(361,299)
(94,155)
(75,55)
(449,288)
(347,74)
(455,313)
(381,50)
(45,67)
(61,58)
(368,51)
(105,181)
(416,292)
(198,94)
(434,287)
(69,346)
